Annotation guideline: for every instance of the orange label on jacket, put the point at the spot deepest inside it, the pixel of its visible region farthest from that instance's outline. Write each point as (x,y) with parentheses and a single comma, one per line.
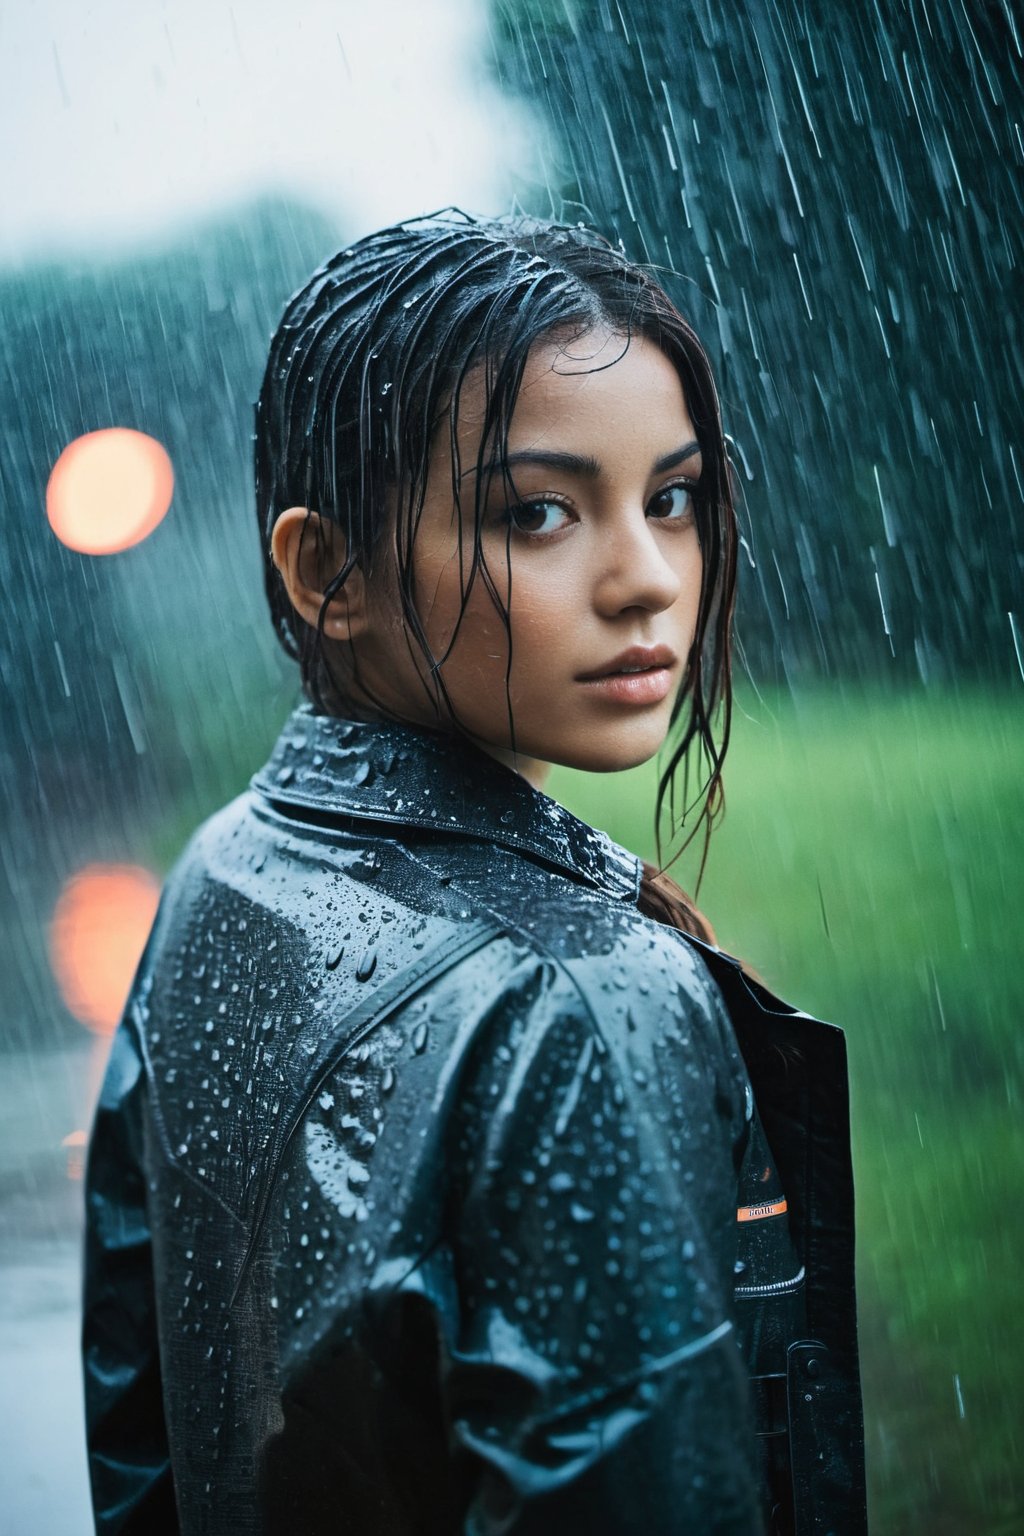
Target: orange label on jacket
(759,1212)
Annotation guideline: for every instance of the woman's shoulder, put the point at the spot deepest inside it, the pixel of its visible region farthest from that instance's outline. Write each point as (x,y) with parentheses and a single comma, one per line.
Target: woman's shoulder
(575,921)
(640,992)
(344,890)
(338,916)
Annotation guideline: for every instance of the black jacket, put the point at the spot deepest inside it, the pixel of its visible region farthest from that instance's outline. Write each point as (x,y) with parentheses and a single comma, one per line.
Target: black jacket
(428,1191)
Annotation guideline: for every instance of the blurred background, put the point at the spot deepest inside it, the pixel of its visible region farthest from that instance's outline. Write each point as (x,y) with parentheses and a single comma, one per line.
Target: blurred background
(832,193)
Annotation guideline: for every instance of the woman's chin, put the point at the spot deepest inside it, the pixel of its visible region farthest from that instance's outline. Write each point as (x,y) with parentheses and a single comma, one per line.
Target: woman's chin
(602,755)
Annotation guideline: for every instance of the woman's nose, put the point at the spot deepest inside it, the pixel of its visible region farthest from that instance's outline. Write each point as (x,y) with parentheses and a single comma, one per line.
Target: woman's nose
(633,571)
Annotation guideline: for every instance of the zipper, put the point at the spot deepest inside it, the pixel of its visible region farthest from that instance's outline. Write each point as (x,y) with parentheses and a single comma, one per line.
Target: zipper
(773,1287)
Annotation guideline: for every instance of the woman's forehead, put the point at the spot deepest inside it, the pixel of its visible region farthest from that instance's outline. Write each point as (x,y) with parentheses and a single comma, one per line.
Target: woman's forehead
(586,385)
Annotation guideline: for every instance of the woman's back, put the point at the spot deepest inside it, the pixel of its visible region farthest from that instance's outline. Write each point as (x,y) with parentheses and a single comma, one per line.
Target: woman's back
(435,1144)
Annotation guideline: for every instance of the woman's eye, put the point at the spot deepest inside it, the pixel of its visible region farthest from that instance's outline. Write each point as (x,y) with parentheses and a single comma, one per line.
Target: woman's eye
(673,504)
(539,516)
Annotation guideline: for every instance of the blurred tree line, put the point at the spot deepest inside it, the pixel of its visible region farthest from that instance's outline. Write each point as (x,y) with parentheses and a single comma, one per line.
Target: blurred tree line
(96,649)
(139,688)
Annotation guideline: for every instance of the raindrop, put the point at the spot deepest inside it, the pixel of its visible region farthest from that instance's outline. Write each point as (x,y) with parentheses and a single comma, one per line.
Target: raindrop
(367,963)
(419,1037)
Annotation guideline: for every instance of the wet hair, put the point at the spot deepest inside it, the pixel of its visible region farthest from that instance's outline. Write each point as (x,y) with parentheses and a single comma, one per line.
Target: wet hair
(366,371)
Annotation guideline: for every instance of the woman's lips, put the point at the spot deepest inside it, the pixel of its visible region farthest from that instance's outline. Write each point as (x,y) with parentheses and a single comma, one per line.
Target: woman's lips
(648,687)
(640,675)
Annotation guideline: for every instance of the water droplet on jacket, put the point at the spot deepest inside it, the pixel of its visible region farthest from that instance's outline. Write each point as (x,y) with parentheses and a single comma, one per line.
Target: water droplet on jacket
(334,957)
(419,1037)
(367,963)
(580,1212)
(387,1082)
(285,775)
(363,773)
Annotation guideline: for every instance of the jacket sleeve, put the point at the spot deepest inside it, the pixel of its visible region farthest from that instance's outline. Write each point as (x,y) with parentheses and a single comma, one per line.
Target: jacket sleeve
(592,1373)
(129,1461)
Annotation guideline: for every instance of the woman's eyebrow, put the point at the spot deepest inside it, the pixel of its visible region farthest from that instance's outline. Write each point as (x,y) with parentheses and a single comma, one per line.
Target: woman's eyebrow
(571,463)
(583,463)
(688,451)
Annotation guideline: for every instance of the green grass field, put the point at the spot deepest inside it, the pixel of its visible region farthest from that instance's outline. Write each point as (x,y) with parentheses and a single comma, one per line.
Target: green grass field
(870,867)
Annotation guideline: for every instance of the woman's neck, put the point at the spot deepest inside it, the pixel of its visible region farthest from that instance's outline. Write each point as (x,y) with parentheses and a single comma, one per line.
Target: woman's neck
(531,769)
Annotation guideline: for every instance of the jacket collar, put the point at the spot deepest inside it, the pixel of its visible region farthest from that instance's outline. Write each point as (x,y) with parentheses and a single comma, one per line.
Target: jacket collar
(397,774)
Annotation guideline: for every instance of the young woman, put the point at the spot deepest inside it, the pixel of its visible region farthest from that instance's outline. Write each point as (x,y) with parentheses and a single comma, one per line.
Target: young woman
(446,1176)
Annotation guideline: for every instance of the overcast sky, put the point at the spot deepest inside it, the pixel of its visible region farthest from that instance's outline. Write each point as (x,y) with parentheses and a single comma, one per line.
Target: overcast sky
(120,117)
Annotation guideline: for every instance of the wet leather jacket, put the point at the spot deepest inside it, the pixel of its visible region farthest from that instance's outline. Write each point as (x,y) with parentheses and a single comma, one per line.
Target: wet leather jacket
(435,1189)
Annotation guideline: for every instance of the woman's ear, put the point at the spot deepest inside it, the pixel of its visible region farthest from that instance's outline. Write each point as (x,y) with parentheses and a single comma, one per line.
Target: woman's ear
(309,551)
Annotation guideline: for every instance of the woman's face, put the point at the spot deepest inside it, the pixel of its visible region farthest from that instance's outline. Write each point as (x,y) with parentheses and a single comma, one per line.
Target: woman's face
(596,556)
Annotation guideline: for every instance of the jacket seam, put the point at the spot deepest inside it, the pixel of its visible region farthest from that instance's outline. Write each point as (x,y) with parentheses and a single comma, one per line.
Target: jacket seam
(414,978)
(537,948)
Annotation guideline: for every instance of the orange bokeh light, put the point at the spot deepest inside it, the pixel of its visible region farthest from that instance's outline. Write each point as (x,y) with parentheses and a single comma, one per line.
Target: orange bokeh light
(99,929)
(109,490)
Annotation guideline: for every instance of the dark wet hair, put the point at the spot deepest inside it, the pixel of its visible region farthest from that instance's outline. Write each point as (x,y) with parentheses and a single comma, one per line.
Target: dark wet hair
(366,370)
